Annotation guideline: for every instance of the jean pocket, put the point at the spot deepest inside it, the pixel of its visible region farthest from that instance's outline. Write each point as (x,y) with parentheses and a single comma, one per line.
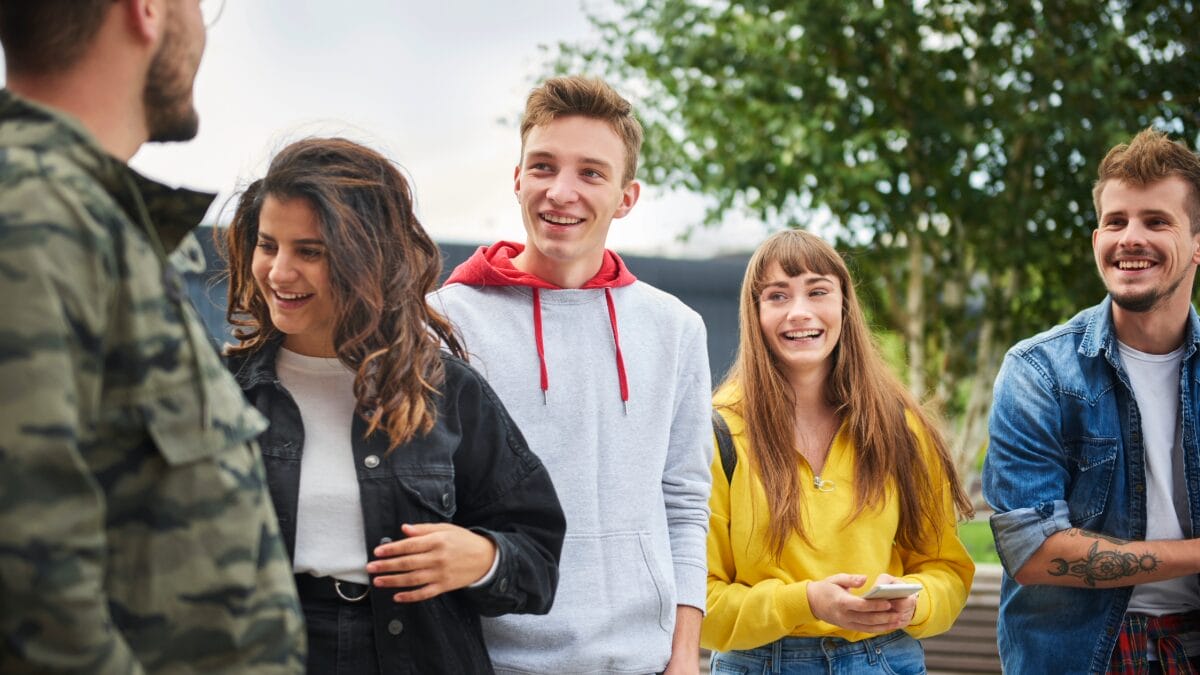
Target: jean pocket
(904,656)
(732,663)
(1094,462)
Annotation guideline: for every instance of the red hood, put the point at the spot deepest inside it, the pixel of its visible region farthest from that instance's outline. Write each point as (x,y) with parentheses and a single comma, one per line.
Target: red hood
(492,266)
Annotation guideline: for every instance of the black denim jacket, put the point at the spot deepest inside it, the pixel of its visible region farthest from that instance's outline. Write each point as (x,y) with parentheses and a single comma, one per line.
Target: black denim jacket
(473,469)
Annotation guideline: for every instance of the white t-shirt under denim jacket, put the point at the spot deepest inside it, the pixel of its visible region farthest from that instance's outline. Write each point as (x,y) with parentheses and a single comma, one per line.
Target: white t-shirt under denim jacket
(1155,382)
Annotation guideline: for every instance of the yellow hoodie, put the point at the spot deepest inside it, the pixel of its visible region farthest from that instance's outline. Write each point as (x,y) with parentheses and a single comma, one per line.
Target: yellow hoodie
(754,600)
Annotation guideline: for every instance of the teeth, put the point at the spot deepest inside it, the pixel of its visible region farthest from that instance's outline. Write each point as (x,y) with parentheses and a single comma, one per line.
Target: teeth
(291,296)
(1133,264)
(562,220)
(799,334)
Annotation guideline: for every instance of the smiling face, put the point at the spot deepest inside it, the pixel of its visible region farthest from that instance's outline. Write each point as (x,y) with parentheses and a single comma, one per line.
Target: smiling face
(801,319)
(1144,247)
(570,186)
(291,269)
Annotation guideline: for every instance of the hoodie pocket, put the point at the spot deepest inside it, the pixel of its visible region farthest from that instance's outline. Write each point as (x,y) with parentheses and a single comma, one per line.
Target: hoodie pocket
(614,606)
(613,580)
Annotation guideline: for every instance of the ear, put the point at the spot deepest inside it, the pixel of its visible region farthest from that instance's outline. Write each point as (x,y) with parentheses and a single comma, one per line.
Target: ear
(629,197)
(517,181)
(1196,249)
(145,18)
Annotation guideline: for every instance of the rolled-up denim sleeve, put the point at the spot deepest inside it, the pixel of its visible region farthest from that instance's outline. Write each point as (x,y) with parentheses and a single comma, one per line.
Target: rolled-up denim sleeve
(1026,471)
(1019,533)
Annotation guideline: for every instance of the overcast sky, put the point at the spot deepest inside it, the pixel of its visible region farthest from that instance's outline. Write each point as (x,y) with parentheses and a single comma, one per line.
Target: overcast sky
(436,86)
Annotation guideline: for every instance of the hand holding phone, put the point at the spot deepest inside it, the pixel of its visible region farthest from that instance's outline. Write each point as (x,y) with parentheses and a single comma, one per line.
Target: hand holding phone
(891,591)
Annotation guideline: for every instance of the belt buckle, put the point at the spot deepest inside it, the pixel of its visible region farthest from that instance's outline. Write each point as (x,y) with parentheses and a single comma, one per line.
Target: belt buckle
(337,587)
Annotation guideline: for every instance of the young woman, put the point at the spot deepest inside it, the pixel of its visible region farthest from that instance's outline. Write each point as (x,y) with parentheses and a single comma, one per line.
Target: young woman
(408,501)
(840,483)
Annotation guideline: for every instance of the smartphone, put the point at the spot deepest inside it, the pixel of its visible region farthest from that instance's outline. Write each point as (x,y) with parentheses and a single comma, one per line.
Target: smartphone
(892,591)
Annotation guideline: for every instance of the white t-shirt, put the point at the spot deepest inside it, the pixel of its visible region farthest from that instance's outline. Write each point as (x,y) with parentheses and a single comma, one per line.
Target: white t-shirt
(330,539)
(1155,380)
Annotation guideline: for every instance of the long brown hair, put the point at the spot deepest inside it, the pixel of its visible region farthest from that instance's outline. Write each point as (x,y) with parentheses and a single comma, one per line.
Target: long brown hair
(861,388)
(382,264)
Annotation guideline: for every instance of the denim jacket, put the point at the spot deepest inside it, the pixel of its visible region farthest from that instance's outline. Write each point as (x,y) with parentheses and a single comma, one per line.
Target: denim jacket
(473,469)
(1066,451)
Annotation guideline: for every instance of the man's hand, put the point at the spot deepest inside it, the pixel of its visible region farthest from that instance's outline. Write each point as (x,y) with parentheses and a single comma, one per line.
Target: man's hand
(434,558)
(685,643)
(831,601)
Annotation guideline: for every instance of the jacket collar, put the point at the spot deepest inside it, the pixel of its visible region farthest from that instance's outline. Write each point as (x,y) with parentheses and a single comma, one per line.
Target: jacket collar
(164,213)
(1099,335)
(257,368)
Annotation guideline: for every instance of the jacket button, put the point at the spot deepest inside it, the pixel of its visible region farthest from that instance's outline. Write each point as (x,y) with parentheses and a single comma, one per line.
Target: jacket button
(395,626)
(504,585)
(371,461)
(385,540)
(446,500)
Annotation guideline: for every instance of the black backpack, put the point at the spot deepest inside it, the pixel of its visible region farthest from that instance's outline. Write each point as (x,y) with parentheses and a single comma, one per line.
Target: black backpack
(724,445)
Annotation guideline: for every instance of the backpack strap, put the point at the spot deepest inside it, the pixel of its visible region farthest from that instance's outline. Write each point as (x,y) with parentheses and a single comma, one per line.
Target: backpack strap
(724,445)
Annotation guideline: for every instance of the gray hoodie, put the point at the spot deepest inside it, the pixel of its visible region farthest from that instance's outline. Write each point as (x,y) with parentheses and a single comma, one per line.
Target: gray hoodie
(633,476)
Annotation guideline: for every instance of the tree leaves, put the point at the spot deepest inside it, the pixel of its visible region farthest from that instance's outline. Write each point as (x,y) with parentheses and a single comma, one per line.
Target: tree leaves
(974,127)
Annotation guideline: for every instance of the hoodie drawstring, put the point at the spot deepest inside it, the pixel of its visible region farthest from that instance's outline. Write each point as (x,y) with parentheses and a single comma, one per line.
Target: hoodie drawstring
(612,319)
(541,349)
(537,337)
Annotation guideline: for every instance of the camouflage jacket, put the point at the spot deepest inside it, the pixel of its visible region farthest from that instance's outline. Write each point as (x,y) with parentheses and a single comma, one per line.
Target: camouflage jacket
(136,533)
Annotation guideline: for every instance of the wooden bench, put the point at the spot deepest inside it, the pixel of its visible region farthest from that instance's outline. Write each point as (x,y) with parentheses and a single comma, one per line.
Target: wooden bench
(970,645)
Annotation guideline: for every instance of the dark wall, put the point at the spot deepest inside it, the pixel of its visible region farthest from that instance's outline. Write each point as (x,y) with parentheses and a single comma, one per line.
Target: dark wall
(708,286)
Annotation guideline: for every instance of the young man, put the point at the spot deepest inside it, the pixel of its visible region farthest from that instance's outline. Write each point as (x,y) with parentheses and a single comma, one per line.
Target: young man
(608,379)
(136,534)
(1094,462)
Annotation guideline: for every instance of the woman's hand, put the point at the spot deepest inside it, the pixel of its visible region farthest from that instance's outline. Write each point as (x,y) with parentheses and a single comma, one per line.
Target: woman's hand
(434,558)
(907,607)
(831,601)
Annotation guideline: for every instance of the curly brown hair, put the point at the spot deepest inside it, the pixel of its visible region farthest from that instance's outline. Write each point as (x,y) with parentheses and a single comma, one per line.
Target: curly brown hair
(382,264)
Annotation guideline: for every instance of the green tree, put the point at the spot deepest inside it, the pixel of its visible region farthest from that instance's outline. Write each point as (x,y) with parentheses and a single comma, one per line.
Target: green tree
(954,145)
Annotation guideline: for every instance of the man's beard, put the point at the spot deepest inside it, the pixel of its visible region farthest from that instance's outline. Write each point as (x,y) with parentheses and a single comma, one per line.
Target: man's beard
(1146,300)
(167,97)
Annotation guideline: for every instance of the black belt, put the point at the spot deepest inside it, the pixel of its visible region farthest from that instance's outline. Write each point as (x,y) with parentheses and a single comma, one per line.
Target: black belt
(328,588)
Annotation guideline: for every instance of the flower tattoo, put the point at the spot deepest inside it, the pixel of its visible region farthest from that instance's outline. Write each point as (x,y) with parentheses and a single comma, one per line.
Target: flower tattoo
(1100,565)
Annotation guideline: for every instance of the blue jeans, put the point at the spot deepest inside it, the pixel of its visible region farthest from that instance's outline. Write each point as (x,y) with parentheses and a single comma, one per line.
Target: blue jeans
(341,636)
(896,653)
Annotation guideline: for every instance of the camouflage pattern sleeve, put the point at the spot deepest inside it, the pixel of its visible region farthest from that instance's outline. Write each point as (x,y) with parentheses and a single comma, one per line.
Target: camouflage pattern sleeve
(136,531)
(55,292)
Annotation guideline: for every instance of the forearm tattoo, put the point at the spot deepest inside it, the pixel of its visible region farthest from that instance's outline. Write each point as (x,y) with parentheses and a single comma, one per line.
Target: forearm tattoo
(1100,565)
